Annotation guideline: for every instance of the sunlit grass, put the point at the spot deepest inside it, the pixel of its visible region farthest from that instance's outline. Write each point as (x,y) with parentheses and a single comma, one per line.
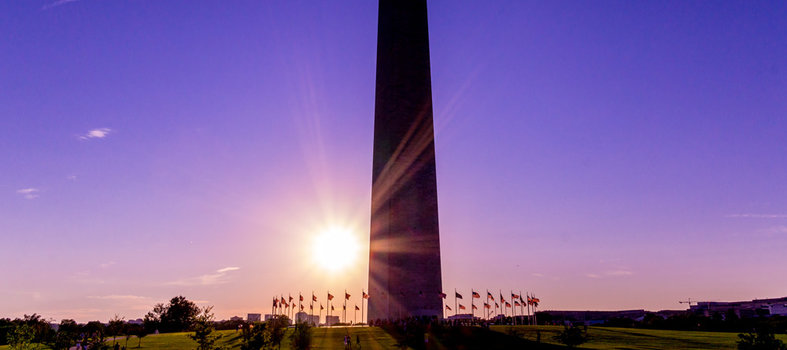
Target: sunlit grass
(634,338)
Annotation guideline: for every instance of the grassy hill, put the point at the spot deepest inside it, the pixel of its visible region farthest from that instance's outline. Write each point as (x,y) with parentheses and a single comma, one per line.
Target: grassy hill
(502,337)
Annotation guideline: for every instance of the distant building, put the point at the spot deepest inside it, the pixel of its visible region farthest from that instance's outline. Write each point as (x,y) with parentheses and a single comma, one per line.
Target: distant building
(254,318)
(462,317)
(592,317)
(744,309)
(137,321)
(236,318)
(301,316)
(331,320)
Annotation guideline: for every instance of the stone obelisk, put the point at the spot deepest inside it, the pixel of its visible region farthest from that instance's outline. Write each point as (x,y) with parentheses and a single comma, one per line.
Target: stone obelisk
(404,262)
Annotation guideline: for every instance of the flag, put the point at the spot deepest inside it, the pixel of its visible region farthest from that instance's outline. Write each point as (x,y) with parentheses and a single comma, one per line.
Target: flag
(476,295)
(344,307)
(300,296)
(536,300)
(314,297)
(448,307)
(458,295)
(282,300)
(332,309)
(487,306)
(321,308)
(529,300)
(443,295)
(357,308)
(346,296)
(311,307)
(496,306)
(489,296)
(301,307)
(521,300)
(275,301)
(330,297)
(365,296)
(516,303)
(507,304)
(514,296)
(290,296)
(501,298)
(462,307)
(475,307)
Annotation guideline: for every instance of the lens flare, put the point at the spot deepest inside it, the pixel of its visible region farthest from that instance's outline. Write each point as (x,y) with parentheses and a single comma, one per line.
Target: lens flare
(335,249)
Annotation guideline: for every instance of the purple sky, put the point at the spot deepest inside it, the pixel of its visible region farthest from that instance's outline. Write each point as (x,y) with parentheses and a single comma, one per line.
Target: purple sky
(604,155)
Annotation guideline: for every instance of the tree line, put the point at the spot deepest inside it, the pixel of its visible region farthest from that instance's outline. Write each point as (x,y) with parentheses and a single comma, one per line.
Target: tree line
(178,315)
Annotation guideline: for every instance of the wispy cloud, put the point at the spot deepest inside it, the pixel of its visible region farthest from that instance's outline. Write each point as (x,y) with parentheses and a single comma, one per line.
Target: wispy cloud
(28,193)
(618,273)
(106,264)
(610,273)
(56,4)
(118,297)
(221,276)
(758,216)
(99,133)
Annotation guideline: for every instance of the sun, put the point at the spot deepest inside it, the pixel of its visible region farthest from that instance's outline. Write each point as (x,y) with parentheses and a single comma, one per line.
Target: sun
(335,249)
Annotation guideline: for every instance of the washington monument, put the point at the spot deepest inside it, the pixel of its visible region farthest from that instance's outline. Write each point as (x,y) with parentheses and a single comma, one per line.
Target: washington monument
(404,262)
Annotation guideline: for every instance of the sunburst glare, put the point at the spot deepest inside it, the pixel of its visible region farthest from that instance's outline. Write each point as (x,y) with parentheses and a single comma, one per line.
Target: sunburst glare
(335,249)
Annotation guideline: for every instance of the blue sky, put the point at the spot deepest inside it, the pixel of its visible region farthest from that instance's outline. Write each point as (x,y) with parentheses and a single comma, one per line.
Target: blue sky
(604,155)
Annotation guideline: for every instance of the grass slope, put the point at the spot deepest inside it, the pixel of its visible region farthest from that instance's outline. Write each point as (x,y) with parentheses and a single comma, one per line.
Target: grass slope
(635,339)
(502,337)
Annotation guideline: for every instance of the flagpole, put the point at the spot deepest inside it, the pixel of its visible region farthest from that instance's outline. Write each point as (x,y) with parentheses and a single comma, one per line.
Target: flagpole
(513,309)
(472,311)
(455,308)
(328,310)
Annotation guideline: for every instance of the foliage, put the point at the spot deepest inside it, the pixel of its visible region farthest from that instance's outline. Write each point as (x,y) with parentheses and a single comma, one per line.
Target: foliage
(277,326)
(256,336)
(21,338)
(572,336)
(763,339)
(116,327)
(301,337)
(177,316)
(203,330)
(138,331)
(66,336)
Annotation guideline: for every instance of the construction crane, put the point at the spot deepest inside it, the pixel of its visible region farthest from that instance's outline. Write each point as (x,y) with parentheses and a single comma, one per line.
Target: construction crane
(687,302)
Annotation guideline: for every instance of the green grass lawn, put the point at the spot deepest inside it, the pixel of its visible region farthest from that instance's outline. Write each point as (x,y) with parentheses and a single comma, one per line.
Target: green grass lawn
(633,338)
(373,338)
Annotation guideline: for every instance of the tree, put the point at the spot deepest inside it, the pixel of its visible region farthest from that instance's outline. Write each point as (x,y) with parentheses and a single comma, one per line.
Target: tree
(177,316)
(138,331)
(763,339)
(572,336)
(277,326)
(21,338)
(116,327)
(66,336)
(203,330)
(256,336)
(301,337)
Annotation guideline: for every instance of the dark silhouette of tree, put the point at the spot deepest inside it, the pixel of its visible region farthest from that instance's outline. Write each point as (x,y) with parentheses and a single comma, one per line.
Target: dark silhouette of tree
(572,336)
(177,316)
(66,336)
(762,339)
(203,330)
(302,336)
